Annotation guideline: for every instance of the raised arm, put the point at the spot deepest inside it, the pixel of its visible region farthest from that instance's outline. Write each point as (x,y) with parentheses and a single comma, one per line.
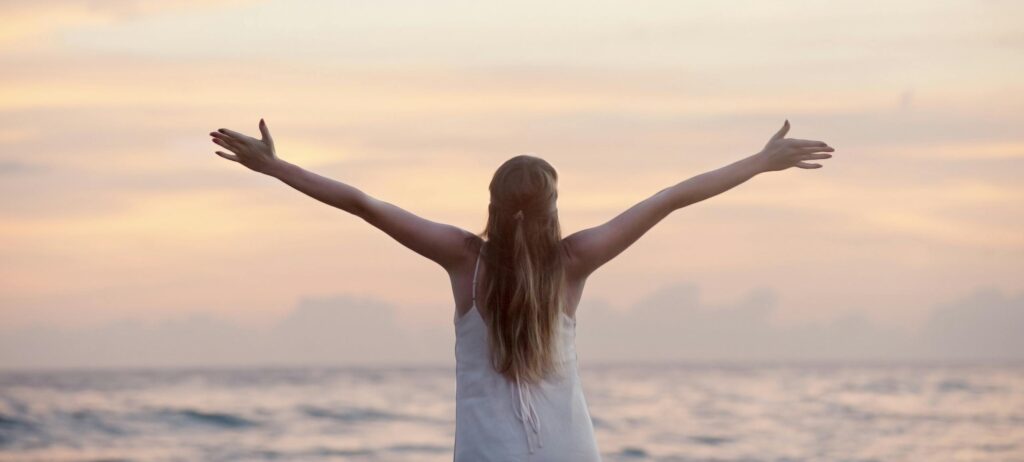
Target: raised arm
(444,244)
(590,248)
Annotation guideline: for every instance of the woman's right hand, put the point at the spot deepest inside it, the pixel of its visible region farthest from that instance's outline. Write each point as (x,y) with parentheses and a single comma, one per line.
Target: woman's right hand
(781,153)
(257,154)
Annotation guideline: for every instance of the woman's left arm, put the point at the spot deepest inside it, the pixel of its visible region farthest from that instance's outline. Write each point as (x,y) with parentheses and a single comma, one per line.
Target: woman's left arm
(442,243)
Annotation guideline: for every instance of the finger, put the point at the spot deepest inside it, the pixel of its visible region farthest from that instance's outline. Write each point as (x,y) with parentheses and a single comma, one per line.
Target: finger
(810,149)
(231,146)
(800,142)
(782,131)
(228,156)
(223,137)
(807,165)
(236,135)
(814,156)
(266,133)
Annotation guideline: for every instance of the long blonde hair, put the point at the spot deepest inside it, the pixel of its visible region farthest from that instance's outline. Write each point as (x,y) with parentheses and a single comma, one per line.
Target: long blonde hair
(525,277)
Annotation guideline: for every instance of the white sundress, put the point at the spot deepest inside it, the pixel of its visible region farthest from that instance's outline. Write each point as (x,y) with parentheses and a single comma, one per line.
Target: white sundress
(500,420)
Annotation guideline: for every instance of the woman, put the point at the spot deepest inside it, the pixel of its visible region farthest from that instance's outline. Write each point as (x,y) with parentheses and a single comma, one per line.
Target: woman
(518,395)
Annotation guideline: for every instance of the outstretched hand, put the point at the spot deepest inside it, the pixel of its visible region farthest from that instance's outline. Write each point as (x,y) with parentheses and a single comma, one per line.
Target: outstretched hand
(256,154)
(781,153)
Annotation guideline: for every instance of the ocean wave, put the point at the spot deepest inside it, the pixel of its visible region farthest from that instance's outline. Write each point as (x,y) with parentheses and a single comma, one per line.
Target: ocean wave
(95,421)
(13,428)
(965,386)
(10,422)
(882,386)
(633,453)
(363,414)
(206,418)
(418,448)
(710,440)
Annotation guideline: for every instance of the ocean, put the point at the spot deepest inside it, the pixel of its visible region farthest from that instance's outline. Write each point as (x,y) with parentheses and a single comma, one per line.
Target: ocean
(641,412)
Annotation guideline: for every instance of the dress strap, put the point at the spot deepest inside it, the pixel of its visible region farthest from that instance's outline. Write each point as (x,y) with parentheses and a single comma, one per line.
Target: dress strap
(477,268)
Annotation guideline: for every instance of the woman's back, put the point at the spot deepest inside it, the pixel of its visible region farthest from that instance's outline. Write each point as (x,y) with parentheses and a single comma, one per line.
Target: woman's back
(501,420)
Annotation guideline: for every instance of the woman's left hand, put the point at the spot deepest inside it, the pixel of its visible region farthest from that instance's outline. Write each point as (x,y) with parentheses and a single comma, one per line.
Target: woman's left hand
(256,154)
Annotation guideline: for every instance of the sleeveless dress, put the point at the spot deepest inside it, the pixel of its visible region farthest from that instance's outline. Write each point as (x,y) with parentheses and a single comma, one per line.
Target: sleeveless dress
(504,421)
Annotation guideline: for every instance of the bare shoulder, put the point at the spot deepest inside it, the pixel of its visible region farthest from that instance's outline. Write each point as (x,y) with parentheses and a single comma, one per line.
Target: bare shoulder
(575,279)
(472,244)
(574,269)
(461,274)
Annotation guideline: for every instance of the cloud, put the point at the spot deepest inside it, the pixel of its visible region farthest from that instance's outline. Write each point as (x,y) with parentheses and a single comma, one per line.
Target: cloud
(986,323)
(670,324)
(674,324)
(8,167)
(34,19)
(335,330)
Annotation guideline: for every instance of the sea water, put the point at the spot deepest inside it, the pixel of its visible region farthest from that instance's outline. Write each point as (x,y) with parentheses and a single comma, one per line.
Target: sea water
(656,412)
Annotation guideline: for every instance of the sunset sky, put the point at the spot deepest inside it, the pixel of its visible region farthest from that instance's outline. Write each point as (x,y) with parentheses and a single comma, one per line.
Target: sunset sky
(116,210)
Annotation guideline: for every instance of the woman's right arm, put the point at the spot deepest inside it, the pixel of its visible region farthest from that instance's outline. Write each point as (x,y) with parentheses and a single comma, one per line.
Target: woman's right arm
(590,248)
(442,243)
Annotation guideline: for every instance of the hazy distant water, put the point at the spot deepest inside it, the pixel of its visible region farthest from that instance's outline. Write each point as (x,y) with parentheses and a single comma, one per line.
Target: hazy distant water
(658,413)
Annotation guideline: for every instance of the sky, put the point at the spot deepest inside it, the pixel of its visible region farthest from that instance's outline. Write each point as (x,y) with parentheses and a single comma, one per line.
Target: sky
(123,237)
